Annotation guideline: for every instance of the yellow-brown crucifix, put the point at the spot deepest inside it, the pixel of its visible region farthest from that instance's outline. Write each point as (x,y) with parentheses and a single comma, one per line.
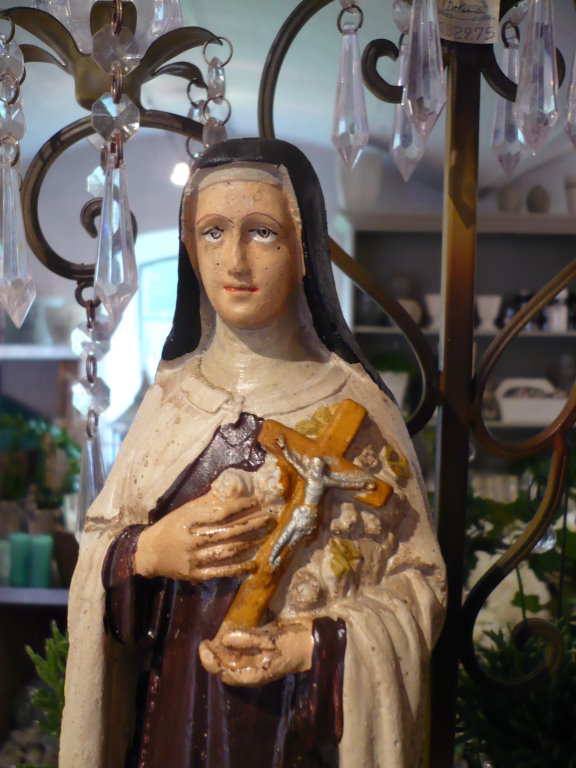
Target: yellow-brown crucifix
(308,468)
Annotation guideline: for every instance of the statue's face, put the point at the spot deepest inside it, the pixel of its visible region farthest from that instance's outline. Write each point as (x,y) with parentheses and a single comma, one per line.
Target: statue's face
(247,251)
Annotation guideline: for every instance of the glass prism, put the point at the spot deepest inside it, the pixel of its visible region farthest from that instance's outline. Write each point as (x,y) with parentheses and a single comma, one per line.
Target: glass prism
(11,59)
(570,121)
(88,397)
(17,290)
(213,133)
(12,120)
(116,275)
(507,141)
(197,112)
(425,86)
(109,116)
(216,80)
(517,13)
(110,49)
(536,110)
(75,15)
(92,476)
(155,19)
(95,182)
(90,341)
(407,147)
(350,125)
(401,13)
(546,543)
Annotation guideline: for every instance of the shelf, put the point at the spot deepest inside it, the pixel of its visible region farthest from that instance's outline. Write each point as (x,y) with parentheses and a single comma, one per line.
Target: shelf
(34,352)
(519,224)
(386,330)
(31,596)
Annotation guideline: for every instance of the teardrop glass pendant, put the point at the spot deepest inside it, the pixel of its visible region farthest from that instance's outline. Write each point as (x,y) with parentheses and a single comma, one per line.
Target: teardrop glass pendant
(350,125)
(507,140)
(536,110)
(155,18)
(570,122)
(116,276)
(425,89)
(92,472)
(407,147)
(17,290)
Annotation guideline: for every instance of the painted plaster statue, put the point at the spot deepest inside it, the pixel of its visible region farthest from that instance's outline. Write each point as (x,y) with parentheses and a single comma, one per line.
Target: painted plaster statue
(259,582)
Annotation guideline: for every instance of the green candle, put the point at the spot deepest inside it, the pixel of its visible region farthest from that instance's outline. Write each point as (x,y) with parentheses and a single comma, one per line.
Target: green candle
(19,559)
(41,560)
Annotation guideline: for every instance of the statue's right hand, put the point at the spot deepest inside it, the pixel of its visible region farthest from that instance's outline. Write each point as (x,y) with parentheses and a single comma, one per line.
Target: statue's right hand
(204,539)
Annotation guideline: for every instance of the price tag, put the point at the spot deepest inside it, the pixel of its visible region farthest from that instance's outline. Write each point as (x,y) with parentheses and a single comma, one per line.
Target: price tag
(469,21)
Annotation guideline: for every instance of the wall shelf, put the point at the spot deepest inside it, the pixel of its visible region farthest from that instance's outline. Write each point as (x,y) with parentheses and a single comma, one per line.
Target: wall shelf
(30,596)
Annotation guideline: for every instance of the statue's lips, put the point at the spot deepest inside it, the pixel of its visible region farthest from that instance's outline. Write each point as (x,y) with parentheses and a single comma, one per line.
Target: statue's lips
(240,288)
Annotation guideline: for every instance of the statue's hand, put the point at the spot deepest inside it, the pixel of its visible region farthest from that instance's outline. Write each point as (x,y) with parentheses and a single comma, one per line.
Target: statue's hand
(259,656)
(204,539)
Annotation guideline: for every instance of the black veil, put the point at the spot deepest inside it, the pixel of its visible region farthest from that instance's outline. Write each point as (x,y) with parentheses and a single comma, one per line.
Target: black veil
(318,281)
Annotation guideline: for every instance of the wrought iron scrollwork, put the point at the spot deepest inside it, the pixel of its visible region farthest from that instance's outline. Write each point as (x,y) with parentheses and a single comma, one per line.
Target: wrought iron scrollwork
(41,164)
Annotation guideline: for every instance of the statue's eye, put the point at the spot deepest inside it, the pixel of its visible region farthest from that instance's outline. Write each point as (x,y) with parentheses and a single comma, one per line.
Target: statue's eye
(213,234)
(263,234)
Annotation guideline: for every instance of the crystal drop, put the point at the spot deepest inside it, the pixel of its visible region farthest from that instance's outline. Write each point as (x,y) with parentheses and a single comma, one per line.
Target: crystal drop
(197,112)
(11,59)
(507,141)
(536,111)
(96,142)
(17,289)
(90,341)
(88,396)
(110,49)
(425,89)
(401,13)
(214,132)
(546,543)
(570,122)
(95,182)
(12,121)
(116,276)
(107,117)
(216,80)
(156,18)
(92,476)
(348,3)
(407,147)
(8,89)
(350,126)
(75,15)
(516,14)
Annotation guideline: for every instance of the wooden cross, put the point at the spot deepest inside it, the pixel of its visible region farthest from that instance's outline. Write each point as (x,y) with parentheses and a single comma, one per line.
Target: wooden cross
(249,608)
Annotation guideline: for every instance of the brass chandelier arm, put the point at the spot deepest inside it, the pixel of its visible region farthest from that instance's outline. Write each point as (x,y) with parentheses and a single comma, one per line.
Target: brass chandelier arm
(478,595)
(567,417)
(299,17)
(43,161)
(418,342)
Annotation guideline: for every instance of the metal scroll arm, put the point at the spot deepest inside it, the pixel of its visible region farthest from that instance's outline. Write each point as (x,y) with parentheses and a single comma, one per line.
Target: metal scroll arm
(567,416)
(420,347)
(496,574)
(83,274)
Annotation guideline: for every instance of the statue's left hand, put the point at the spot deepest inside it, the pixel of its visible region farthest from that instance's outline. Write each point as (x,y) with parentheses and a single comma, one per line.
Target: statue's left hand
(251,657)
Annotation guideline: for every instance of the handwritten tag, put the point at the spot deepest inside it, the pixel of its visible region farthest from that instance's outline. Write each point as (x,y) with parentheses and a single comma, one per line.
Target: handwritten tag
(469,21)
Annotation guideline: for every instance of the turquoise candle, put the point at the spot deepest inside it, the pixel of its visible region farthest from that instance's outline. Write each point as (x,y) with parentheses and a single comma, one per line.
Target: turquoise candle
(4,562)
(19,559)
(40,560)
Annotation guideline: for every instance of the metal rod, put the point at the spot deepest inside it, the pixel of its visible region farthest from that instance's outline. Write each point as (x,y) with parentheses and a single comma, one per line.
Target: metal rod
(456,355)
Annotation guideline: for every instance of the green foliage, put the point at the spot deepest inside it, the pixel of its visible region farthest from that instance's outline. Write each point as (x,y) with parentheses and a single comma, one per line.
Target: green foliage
(49,697)
(27,445)
(529,731)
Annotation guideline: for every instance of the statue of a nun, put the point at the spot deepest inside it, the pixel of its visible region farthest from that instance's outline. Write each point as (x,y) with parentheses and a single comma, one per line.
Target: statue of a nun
(259,582)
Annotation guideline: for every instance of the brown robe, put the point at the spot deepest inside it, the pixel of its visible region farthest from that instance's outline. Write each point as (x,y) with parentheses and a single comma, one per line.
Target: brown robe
(188,718)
